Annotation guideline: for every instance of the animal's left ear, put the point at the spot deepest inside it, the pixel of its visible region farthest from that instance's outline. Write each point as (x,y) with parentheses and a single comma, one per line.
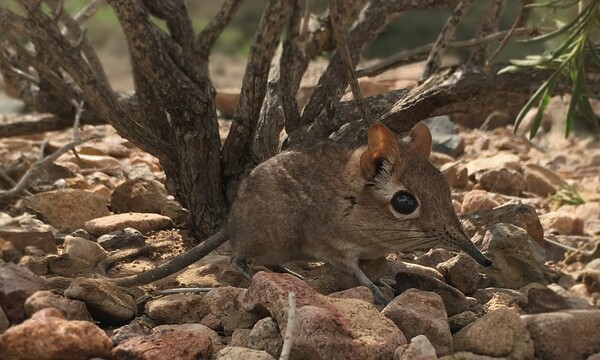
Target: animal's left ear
(421,139)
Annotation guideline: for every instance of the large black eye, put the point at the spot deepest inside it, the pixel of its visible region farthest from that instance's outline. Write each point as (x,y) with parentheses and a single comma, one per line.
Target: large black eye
(404,202)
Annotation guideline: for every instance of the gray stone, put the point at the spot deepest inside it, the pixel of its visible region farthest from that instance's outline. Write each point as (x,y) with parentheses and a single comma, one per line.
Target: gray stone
(571,334)
(122,239)
(265,335)
(445,138)
(70,309)
(17,283)
(105,300)
(419,349)
(461,272)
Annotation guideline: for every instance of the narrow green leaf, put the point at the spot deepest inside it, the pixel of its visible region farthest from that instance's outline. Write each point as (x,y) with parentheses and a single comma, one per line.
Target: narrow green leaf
(540,113)
(552,3)
(575,23)
(532,100)
(572,106)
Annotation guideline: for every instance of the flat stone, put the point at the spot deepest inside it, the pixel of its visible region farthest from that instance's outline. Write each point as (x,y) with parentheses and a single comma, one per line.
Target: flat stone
(165,344)
(17,283)
(139,195)
(70,309)
(47,336)
(235,353)
(83,249)
(177,309)
(105,300)
(42,238)
(144,223)
(68,208)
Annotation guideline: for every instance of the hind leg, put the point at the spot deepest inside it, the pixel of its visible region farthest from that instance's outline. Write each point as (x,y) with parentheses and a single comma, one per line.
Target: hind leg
(242,267)
(283,270)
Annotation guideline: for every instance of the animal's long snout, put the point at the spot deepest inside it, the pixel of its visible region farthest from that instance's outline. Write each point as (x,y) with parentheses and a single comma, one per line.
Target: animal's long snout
(468,247)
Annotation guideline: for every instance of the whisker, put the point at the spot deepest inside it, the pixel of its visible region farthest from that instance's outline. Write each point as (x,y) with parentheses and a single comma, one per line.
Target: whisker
(395,239)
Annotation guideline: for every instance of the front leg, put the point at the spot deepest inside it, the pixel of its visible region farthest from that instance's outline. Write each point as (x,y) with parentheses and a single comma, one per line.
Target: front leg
(380,299)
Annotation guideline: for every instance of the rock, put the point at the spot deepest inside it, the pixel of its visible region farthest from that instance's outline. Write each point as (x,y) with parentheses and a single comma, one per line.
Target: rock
(174,211)
(17,283)
(461,320)
(68,208)
(519,214)
(358,292)
(543,299)
(265,335)
(235,353)
(139,195)
(240,337)
(95,162)
(465,355)
(518,259)
(501,300)
(478,200)
(502,160)
(445,138)
(589,213)
(166,344)
(193,328)
(106,148)
(139,326)
(498,333)
(122,239)
(454,301)
(144,223)
(433,257)
(86,250)
(503,180)
(573,301)
(561,223)
(457,206)
(456,174)
(439,159)
(69,309)
(591,279)
(593,265)
(406,267)
(22,237)
(330,328)
(47,336)
(419,349)
(461,272)
(177,309)
(8,252)
(417,312)
(550,332)
(596,356)
(225,311)
(541,181)
(105,300)
(4,323)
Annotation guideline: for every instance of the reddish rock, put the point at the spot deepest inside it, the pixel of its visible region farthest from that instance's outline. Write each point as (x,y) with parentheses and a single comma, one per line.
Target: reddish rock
(139,195)
(225,312)
(70,309)
(235,353)
(47,336)
(478,200)
(165,344)
(17,283)
(68,208)
(418,312)
(562,223)
(41,237)
(326,327)
(177,309)
(358,292)
(143,223)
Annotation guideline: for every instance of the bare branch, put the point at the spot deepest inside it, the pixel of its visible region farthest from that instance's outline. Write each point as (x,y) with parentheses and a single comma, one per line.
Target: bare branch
(288,338)
(439,48)
(418,54)
(209,35)
(513,29)
(236,148)
(374,17)
(39,165)
(490,23)
(342,48)
(77,121)
(88,11)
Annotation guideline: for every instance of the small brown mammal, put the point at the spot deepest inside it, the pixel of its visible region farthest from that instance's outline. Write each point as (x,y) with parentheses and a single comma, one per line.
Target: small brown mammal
(338,205)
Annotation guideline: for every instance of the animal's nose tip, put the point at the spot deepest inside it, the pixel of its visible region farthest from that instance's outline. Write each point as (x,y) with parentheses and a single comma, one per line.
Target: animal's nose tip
(486,262)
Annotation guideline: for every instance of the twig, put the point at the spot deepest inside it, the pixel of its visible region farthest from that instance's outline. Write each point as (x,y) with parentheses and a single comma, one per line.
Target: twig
(306,19)
(79,107)
(416,54)
(504,40)
(40,164)
(342,47)
(490,23)
(435,56)
(209,35)
(288,338)
(88,11)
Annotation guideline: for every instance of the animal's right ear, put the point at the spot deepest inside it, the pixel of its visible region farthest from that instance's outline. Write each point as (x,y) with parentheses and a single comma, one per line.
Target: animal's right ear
(381,146)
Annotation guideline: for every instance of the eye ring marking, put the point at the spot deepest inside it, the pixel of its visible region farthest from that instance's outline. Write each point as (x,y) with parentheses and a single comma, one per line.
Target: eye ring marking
(404,202)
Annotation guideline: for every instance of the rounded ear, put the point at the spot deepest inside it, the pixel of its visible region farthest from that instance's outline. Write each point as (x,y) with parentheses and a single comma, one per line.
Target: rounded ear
(381,144)
(421,139)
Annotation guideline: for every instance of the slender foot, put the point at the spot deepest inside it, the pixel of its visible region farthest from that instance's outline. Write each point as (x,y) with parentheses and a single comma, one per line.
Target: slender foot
(283,270)
(380,299)
(242,267)
(382,283)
